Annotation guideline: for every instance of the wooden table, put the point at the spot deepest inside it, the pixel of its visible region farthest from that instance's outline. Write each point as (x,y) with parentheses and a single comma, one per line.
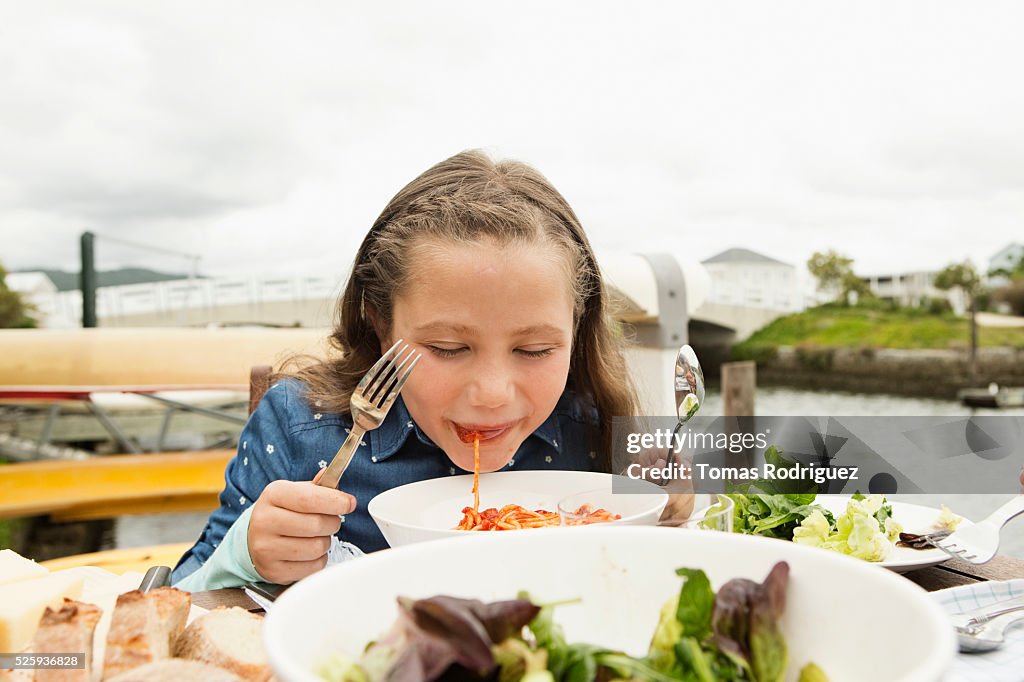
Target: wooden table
(950,574)
(955,572)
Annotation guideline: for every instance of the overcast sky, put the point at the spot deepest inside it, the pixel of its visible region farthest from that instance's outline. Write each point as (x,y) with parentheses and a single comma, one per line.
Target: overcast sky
(266,137)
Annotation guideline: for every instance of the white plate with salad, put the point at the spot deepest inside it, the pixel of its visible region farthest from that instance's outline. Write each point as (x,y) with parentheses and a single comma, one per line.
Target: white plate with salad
(867,528)
(914,518)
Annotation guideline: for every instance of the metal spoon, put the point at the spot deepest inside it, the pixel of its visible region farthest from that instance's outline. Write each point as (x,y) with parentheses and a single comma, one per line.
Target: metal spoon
(689,384)
(689,388)
(983,629)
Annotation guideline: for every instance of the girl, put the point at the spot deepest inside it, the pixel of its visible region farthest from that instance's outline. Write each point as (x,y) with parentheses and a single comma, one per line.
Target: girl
(484,268)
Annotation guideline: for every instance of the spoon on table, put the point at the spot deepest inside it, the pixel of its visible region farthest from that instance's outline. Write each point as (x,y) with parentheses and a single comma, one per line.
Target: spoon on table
(984,628)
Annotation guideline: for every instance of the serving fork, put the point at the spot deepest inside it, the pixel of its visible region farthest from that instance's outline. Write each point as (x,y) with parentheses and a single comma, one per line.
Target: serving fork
(979,542)
(371,400)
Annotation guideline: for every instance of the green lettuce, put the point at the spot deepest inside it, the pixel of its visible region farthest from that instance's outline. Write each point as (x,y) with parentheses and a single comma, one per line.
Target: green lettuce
(866,529)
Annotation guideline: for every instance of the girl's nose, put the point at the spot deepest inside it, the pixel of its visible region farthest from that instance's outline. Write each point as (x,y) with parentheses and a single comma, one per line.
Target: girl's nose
(491,387)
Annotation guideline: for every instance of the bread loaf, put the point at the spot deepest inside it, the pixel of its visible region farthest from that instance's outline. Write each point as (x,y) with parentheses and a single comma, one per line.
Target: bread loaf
(229,638)
(144,628)
(176,670)
(66,630)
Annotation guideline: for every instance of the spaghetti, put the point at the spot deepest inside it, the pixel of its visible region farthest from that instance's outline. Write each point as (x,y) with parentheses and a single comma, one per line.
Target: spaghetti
(514,516)
(476,472)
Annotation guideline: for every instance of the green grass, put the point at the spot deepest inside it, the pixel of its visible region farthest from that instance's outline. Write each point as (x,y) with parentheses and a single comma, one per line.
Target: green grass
(832,326)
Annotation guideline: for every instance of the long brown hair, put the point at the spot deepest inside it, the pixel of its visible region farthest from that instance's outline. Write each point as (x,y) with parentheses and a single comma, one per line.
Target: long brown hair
(467,198)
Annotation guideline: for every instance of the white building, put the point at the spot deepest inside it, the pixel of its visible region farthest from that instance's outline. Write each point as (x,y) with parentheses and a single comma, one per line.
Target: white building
(30,283)
(39,291)
(1006,258)
(912,289)
(746,278)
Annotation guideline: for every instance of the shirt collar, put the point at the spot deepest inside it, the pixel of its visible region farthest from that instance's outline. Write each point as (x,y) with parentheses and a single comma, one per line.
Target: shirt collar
(390,436)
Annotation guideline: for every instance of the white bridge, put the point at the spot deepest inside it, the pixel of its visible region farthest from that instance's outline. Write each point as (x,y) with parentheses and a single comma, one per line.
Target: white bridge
(667,301)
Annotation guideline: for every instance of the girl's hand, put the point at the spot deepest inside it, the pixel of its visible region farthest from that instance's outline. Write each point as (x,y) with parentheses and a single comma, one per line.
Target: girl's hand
(680,501)
(1022,481)
(291,527)
(680,491)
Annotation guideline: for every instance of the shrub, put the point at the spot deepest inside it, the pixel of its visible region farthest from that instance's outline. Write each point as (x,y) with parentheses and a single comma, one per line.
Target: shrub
(818,359)
(1012,295)
(938,306)
(760,354)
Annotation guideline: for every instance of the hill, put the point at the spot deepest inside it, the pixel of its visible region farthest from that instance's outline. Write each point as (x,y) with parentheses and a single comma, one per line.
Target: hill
(833,326)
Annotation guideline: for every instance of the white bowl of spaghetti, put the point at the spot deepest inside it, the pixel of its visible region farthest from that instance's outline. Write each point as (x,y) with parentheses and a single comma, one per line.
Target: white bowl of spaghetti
(434,509)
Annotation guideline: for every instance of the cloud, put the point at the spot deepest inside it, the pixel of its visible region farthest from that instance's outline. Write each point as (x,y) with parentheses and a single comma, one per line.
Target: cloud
(268,137)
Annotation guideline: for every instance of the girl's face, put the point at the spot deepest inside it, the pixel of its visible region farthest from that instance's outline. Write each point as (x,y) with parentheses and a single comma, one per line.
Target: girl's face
(494,325)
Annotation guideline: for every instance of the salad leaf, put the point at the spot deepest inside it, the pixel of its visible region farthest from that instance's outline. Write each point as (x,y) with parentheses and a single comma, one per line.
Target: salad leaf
(730,621)
(517,662)
(812,673)
(947,520)
(768,652)
(772,507)
(627,667)
(661,652)
(696,600)
(435,634)
(775,516)
(548,635)
(779,485)
(865,530)
(566,662)
(745,624)
(696,659)
(453,620)
(337,668)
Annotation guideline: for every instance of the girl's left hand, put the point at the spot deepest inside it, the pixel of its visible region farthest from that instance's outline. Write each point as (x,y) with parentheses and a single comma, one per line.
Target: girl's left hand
(680,491)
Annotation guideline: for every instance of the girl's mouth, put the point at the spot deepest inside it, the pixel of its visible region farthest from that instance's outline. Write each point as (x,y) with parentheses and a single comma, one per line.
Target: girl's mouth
(469,433)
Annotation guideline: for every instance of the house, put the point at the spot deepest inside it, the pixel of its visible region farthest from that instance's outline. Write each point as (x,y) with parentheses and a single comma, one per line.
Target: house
(30,284)
(912,289)
(38,290)
(1007,259)
(747,278)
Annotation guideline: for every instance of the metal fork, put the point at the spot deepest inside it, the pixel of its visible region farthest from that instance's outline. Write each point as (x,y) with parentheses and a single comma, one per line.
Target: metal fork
(978,543)
(371,400)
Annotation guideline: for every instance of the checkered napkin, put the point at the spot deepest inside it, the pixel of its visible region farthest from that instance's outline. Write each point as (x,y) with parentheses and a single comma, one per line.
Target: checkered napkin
(1002,665)
(343,551)
(340,551)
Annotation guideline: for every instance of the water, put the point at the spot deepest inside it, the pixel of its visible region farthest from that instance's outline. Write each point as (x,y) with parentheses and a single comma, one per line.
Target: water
(137,531)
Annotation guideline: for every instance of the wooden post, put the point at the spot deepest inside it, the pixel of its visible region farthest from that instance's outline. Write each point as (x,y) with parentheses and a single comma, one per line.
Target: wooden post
(739,383)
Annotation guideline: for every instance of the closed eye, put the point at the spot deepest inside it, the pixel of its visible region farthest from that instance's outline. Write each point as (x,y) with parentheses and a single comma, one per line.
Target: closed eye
(535,353)
(442,352)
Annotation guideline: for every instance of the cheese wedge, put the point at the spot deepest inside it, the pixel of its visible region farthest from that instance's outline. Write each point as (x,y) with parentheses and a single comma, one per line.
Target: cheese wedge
(14,567)
(22,604)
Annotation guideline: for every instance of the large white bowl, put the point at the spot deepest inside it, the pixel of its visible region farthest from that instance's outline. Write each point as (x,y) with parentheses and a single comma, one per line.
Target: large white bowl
(430,510)
(854,620)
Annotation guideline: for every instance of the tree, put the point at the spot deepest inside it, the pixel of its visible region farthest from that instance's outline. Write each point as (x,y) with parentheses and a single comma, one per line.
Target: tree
(1014,273)
(14,312)
(964,276)
(1012,294)
(834,274)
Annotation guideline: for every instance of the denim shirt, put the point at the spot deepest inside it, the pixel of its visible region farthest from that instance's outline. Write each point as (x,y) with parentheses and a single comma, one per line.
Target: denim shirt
(286,439)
